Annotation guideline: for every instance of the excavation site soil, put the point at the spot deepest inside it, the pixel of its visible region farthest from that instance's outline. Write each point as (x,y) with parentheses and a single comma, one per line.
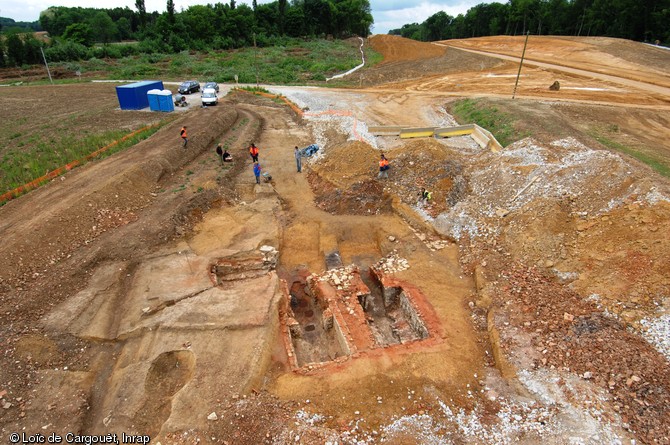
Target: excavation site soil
(161,292)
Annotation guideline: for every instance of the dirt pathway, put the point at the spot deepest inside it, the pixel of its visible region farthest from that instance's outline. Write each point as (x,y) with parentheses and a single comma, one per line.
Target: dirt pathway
(654,88)
(444,366)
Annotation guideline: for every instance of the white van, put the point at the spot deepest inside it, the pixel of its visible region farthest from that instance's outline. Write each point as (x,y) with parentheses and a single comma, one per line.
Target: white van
(209,96)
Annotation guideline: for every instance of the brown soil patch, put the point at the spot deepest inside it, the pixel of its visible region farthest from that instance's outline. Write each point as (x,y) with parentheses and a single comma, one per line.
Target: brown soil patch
(406,59)
(540,265)
(625,58)
(400,49)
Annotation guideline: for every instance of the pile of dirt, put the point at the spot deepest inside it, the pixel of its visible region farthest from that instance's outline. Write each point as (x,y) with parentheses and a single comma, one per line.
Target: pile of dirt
(427,163)
(400,49)
(568,333)
(361,198)
(550,205)
(574,257)
(588,268)
(408,60)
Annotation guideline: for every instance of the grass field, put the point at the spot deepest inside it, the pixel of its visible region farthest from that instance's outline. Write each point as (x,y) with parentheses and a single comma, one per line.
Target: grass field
(35,140)
(499,123)
(298,62)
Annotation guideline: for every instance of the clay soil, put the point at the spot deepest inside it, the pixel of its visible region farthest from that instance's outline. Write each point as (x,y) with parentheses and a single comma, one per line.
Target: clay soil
(544,265)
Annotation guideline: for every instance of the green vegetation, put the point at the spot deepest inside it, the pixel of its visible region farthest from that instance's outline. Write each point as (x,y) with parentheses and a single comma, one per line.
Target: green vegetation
(21,167)
(81,33)
(652,161)
(295,62)
(627,19)
(472,111)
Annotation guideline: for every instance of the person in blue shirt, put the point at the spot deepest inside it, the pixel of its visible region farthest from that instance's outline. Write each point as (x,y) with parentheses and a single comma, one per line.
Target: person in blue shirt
(257,172)
(298,160)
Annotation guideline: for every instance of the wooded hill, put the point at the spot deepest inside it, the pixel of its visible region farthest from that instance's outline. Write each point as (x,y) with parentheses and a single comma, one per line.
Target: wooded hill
(74,31)
(641,20)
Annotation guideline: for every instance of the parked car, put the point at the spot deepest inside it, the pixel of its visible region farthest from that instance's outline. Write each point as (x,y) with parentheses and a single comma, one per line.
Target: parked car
(209,96)
(213,85)
(188,87)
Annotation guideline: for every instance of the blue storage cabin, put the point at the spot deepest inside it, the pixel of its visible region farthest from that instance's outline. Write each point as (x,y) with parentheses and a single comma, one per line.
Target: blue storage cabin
(134,95)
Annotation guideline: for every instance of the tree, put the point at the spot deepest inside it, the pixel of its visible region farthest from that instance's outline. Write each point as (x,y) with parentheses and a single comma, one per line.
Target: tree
(410,31)
(437,26)
(294,24)
(31,49)
(282,16)
(267,18)
(104,28)
(2,51)
(124,28)
(15,49)
(80,33)
(198,21)
(353,17)
(142,11)
(170,11)
(319,17)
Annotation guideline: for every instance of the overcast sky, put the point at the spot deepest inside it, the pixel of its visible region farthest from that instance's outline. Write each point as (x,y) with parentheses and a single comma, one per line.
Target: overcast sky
(388,14)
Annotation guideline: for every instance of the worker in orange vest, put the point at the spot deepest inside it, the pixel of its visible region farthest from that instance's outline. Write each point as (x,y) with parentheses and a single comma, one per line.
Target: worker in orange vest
(253,151)
(184,136)
(383,167)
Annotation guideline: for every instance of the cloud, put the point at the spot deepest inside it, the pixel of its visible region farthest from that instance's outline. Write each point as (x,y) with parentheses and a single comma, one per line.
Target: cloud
(387,18)
(380,6)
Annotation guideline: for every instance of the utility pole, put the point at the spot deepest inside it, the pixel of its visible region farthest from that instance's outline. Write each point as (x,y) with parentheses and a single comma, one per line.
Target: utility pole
(47,65)
(520,64)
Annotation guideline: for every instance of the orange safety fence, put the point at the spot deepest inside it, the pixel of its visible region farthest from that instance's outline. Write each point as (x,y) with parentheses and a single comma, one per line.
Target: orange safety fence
(298,110)
(67,167)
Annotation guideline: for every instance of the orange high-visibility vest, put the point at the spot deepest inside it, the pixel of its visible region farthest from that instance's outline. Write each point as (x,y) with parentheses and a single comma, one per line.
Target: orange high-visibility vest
(183,132)
(383,162)
(253,151)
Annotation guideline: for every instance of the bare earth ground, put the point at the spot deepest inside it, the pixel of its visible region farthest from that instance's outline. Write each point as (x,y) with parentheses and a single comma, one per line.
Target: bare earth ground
(135,296)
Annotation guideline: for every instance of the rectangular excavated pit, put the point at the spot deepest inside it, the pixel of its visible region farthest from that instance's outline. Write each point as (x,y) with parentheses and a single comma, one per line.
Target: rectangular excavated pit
(315,335)
(342,312)
(391,316)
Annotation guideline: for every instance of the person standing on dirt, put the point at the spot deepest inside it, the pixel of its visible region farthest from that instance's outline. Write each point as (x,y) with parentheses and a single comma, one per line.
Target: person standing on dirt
(383,167)
(184,136)
(219,152)
(298,159)
(257,172)
(253,151)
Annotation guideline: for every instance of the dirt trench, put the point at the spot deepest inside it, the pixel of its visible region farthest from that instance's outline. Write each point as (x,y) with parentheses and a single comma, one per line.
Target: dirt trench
(151,341)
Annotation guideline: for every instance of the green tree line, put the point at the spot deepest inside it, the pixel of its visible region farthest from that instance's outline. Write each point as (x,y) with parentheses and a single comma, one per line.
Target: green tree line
(81,33)
(641,20)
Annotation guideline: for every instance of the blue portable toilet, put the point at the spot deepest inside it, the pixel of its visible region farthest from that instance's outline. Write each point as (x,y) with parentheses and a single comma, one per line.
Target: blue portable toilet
(154,102)
(134,95)
(166,103)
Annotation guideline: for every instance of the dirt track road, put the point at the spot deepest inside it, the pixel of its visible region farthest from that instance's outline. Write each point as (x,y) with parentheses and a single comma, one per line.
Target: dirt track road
(659,88)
